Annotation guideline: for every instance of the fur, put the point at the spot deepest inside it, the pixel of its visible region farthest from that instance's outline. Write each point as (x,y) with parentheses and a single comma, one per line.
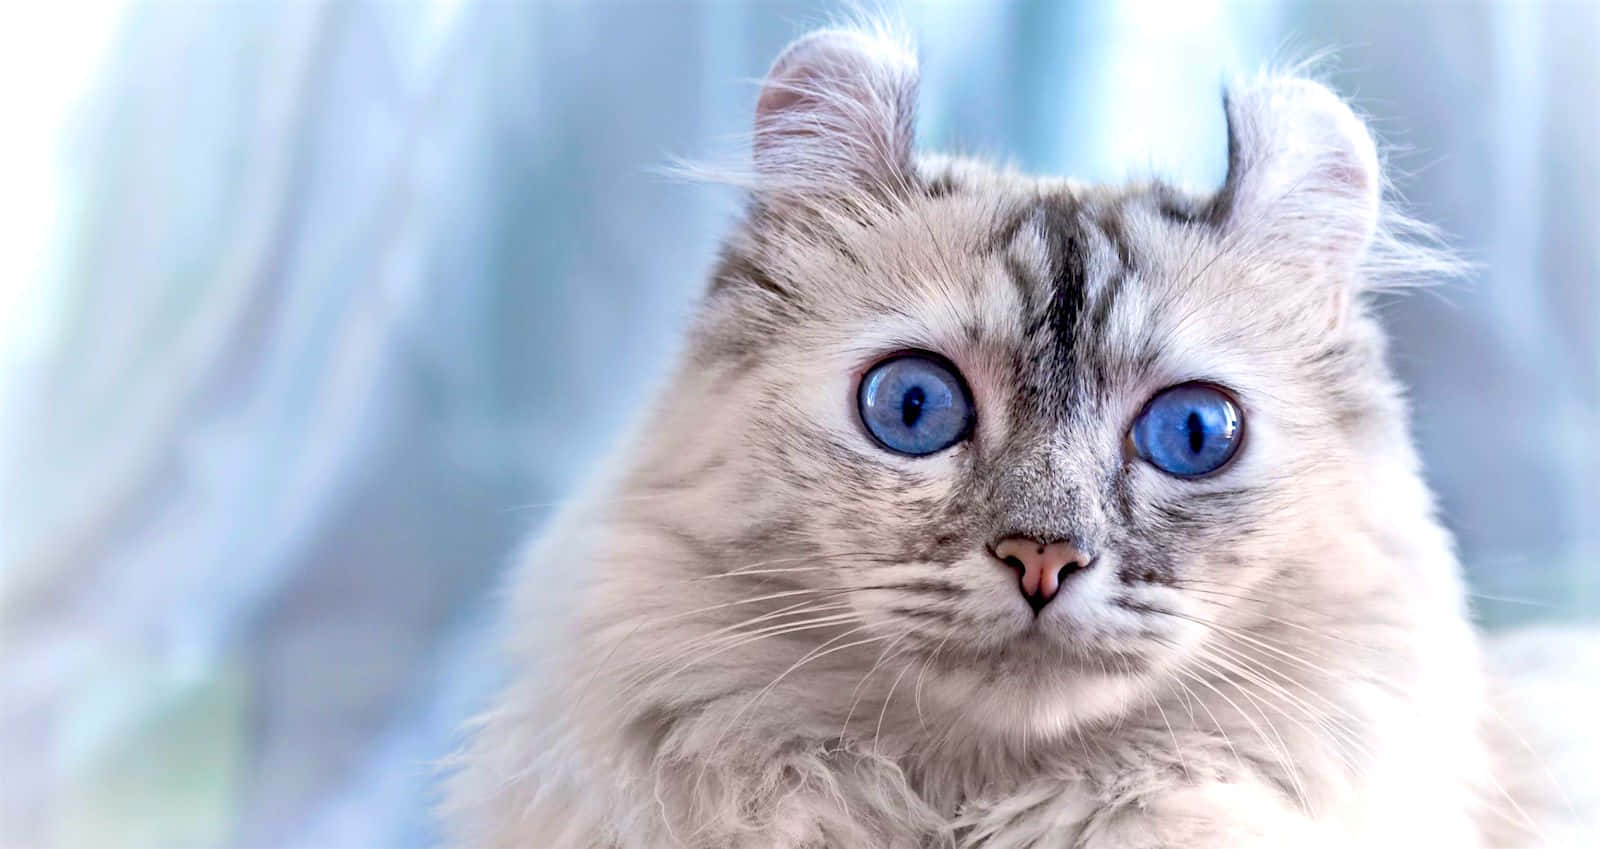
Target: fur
(761,629)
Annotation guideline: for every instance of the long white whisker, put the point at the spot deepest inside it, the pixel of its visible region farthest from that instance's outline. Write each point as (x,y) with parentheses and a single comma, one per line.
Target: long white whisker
(884,711)
(819,652)
(1279,746)
(855,694)
(917,691)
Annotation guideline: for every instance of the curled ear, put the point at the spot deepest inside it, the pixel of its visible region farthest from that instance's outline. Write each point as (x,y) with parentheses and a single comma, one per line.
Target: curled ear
(837,112)
(1302,170)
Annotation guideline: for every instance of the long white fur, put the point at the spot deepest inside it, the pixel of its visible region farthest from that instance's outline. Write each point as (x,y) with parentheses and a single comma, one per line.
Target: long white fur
(1344,703)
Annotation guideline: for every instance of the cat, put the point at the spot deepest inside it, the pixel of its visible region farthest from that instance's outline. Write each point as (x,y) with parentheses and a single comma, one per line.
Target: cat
(986,510)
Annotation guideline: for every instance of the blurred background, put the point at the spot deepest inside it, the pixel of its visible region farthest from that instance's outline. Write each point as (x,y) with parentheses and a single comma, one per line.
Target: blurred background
(310,311)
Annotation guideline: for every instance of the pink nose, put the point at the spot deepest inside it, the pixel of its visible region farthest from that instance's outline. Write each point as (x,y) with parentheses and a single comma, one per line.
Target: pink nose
(1042,565)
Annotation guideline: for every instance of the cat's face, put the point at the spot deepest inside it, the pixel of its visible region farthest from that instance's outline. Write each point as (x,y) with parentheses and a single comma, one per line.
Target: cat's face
(917,368)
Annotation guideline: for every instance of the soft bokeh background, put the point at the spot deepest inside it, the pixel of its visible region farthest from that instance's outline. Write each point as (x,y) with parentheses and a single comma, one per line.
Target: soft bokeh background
(309,311)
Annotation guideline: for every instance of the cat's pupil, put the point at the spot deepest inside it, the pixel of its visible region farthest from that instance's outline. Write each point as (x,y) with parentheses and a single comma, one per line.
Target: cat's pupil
(911,405)
(1197,434)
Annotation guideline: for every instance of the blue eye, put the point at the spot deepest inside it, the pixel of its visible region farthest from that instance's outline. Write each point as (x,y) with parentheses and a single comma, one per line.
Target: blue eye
(915,404)
(1188,430)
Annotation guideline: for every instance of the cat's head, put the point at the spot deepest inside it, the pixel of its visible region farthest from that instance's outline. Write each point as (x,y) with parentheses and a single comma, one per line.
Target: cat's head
(1045,438)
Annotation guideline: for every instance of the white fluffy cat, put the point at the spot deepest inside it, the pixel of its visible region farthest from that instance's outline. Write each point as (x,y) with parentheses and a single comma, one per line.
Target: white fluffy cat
(990,510)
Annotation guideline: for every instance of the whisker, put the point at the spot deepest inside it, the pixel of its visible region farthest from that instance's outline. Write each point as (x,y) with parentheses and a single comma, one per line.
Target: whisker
(1226,740)
(1505,599)
(739,638)
(917,691)
(750,568)
(877,734)
(855,694)
(1176,749)
(817,653)
(1281,747)
(659,621)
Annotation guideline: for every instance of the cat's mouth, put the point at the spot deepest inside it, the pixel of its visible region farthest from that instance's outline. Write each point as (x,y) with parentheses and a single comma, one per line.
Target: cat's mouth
(1050,647)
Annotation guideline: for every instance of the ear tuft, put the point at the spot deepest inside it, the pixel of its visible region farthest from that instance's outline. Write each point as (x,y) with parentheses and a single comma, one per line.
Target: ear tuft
(837,110)
(1300,165)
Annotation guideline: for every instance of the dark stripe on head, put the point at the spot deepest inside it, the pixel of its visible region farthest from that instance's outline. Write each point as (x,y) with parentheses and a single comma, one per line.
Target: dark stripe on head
(1007,232)
(1174,205)
(1022,278)
(1115,228)
(1065,240)
(1112,224)
(1103,304)
(737,268)
(940,185)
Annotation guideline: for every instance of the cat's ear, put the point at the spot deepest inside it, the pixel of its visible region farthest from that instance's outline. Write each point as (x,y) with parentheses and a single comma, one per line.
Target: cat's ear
(1302,171)
(837,112)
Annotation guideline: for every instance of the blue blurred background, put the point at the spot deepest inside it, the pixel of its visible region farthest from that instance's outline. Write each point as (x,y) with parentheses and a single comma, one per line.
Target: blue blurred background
(310,311)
